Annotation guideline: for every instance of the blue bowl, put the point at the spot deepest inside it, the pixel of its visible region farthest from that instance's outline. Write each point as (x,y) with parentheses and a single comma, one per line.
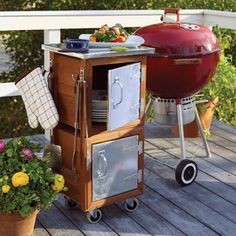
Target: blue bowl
(77,44)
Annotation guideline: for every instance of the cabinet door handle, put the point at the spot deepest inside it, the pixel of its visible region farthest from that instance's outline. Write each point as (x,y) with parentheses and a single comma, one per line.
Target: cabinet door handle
(102,165)
(116,81)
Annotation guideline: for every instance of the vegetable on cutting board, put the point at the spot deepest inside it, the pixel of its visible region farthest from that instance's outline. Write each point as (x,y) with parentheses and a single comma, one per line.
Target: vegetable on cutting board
(119,49)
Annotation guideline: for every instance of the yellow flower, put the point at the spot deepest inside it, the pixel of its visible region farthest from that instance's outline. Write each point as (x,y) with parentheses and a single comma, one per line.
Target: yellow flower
(58,187)
(20,179)
(6,188)
(59,183)
(59,178)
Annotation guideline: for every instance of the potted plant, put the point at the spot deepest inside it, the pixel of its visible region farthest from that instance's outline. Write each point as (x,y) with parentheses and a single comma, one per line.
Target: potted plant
(205,108)
(27,185)
(206,103)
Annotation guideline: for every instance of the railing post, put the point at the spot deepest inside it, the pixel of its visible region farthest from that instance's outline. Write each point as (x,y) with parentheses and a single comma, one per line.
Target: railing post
(50,36)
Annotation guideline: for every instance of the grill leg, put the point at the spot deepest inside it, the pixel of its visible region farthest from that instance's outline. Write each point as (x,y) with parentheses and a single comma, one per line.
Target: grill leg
(181,129)
(148,107)
(208,152)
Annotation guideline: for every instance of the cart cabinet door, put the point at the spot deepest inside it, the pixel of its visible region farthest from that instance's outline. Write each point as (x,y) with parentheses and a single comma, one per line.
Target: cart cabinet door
(115,167)
(124,95)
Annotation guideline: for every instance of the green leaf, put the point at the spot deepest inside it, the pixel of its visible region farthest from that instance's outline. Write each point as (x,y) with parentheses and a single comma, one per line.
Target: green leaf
(9,152)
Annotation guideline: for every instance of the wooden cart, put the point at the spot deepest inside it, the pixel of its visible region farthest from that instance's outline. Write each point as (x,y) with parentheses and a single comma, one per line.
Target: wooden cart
(102,150)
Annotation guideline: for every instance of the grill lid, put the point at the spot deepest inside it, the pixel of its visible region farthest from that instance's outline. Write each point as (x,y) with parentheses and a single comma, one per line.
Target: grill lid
(179,39)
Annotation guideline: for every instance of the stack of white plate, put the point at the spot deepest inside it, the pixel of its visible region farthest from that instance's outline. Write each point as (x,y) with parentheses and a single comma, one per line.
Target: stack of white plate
(99,106)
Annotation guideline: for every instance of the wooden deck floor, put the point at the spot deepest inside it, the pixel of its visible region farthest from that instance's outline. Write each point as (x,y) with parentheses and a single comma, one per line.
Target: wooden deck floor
(207,207)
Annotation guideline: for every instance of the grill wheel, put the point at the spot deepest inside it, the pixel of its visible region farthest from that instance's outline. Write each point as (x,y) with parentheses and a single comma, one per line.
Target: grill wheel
(186,172)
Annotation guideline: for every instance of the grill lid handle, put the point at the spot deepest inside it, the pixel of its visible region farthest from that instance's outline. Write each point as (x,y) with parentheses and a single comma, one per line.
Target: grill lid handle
(171,11)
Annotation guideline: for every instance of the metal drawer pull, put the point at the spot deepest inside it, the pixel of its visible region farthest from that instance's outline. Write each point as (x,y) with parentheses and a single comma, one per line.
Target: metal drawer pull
(102,165)
(116,81)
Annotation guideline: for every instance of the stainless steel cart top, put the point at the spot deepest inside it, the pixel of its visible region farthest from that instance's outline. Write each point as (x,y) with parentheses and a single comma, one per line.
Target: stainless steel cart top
(98,52)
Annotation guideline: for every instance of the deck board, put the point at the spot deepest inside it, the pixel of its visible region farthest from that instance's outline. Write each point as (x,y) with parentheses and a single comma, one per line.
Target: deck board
(151,221)
(205,164)
(202,212)
(39,230)
(121,223)
(57,223)
(195,190)
(223,126)
(174,214)
(207,207)
(78,219)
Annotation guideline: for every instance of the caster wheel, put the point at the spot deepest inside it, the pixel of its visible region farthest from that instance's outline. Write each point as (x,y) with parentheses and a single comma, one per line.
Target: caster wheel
(70,203)
(94,216)
(131,204)
(186,172)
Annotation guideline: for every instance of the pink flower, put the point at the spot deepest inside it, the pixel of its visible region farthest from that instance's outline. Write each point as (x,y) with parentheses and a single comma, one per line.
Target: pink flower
(2,146)
(27,153)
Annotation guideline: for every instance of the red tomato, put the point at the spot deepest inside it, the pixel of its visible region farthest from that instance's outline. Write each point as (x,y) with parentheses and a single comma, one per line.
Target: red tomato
(119,39)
